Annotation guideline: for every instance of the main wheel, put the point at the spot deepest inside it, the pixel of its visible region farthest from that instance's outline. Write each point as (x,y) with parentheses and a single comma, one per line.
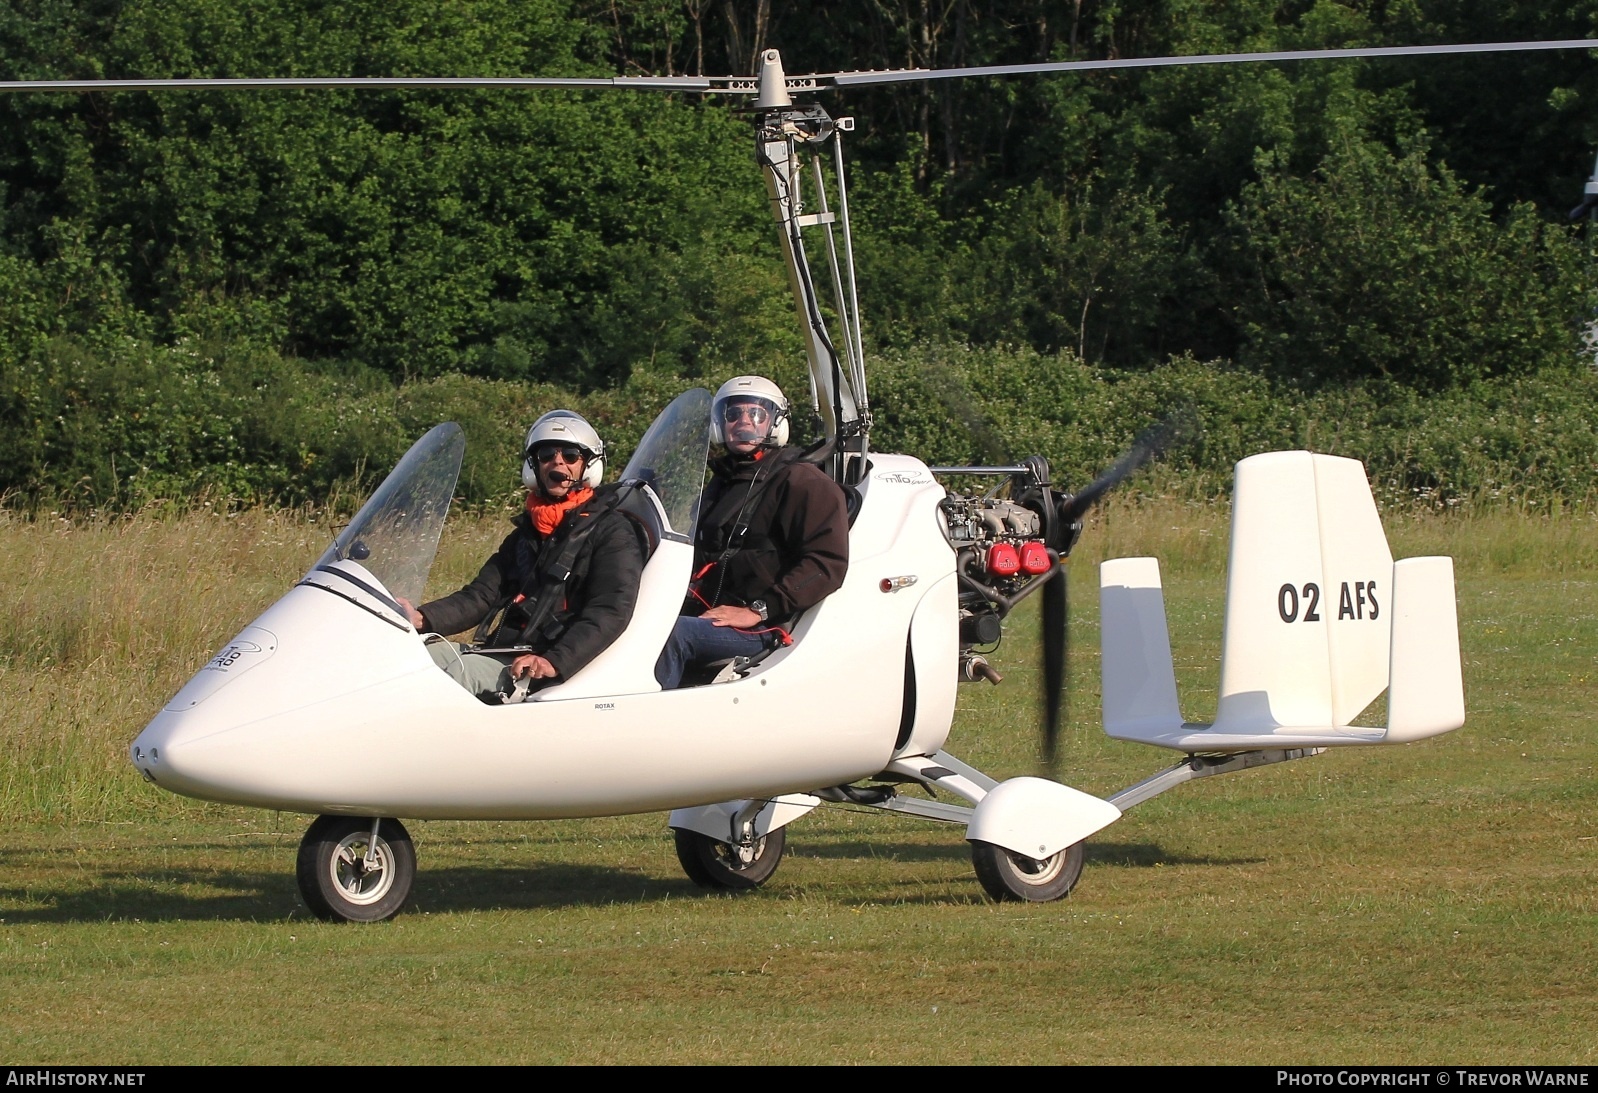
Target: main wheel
(711,863)
(344,878)
(1007,875)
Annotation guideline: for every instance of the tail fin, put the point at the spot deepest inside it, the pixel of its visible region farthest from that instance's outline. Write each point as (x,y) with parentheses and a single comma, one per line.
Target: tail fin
(1308,586)
(1427,696)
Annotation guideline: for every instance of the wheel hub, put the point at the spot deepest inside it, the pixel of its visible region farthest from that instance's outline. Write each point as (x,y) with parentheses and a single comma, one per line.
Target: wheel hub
(1039,870)
(362,872)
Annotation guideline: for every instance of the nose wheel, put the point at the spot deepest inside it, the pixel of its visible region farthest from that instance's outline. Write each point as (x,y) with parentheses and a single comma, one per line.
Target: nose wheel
(355,869)
(711,863)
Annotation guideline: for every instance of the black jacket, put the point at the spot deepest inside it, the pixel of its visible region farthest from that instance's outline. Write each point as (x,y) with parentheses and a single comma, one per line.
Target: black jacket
(773,529)
(598,599)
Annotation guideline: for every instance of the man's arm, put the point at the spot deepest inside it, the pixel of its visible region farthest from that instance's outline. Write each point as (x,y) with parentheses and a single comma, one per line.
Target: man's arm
(609,594)
(465,609)
(815,527)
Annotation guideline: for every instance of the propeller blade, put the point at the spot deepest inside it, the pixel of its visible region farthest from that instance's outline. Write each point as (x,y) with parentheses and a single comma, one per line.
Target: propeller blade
(1151,443)
(1059,526)
(1056,661)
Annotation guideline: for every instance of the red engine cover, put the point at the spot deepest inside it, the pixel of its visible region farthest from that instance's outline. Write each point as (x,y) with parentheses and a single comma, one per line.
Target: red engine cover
(1035,558)
(1003,561)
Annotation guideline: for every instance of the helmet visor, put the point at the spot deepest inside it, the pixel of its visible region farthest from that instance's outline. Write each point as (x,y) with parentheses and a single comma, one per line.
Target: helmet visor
(546,453)
(757,413)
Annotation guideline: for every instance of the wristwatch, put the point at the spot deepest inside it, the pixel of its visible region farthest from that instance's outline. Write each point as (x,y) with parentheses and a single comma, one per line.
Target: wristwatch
(759,608)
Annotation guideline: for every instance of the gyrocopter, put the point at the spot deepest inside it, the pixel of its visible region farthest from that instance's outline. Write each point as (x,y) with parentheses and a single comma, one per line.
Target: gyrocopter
(328,703)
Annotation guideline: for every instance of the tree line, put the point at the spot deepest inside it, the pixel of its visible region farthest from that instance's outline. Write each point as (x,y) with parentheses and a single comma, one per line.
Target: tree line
(178,271)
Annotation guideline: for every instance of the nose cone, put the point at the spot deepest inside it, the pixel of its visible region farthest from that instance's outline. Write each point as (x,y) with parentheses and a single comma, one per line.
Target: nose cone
(259,722)
(179,751)
(145,751)
(158,754)
(207,703)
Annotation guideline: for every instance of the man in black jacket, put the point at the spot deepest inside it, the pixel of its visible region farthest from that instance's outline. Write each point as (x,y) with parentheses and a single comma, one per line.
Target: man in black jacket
(772,538)
(562,585)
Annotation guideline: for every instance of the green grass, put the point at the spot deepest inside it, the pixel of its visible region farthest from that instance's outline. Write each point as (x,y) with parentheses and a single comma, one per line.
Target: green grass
(1429,903)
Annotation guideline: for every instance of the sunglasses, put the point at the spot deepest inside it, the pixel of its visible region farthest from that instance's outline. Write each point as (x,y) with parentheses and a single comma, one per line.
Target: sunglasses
(757,415)
(547,454)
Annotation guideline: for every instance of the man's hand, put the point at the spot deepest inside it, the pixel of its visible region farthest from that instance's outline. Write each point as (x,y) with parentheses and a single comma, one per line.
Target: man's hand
(741,618)
(411,613)
(532,666)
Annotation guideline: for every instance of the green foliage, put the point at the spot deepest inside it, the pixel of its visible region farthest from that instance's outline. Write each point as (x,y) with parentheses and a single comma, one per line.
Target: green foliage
(1385,266)
(128,424)
(415,231)
(1090,270)
(266,295)
(1528,441)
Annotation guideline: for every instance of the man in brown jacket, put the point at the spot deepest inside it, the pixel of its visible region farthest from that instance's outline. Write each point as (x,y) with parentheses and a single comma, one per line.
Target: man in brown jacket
(772,538)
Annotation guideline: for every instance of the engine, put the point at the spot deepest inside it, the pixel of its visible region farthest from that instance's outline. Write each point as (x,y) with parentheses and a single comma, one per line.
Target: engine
(1001,557)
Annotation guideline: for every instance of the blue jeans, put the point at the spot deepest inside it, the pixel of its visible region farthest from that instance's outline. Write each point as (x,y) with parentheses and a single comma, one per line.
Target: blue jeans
(696,641)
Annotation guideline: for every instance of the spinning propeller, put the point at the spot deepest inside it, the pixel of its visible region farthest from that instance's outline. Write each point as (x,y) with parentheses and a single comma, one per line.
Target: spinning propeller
(1062,515)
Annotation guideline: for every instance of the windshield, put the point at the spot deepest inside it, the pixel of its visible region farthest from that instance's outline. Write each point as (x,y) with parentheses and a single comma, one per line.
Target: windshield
(395,535)
(671,459)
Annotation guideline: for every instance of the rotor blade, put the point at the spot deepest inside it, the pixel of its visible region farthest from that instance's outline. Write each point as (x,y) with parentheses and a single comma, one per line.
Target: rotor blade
(1056,618)
(907,75)
(748,85)
(639,83)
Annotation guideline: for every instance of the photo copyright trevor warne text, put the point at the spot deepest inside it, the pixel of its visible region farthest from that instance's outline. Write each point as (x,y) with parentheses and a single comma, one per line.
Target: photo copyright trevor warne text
(1437,1077)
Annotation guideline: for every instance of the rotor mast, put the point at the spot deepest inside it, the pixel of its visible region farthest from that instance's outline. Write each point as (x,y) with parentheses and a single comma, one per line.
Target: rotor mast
(788,139)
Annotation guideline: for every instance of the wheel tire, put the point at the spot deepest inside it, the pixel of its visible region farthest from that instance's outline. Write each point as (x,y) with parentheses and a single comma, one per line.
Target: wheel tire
(1010,876)
(334,880)
(711,863)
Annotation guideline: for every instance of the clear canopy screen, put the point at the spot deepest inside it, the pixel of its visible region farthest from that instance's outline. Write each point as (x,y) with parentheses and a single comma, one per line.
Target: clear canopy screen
(671,458)
(395,535)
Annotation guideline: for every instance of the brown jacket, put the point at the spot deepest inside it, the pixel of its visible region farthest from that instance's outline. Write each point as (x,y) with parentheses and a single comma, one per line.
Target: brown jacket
(772,529)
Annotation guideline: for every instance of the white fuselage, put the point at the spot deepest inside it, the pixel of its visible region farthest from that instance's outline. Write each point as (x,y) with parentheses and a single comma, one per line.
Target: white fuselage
(328,703)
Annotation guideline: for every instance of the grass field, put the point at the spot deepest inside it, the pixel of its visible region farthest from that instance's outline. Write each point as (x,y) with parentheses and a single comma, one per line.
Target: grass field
(1431,903)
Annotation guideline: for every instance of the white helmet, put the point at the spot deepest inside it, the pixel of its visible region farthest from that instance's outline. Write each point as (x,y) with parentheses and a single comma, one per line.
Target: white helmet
(751,389)
(564,427)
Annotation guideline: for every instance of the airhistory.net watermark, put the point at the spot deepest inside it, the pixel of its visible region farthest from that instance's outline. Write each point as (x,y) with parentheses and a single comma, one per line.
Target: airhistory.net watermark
(52,1077)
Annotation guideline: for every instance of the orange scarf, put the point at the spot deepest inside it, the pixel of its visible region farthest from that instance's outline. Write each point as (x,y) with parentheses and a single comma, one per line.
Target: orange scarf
(547,515)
